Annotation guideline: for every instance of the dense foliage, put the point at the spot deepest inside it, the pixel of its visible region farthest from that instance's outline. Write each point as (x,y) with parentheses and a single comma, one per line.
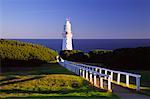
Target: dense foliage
(15,53)
(74,55)
(124,58)
(98,56)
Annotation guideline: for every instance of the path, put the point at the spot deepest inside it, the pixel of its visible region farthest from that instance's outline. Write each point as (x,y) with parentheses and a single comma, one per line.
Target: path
(124,93)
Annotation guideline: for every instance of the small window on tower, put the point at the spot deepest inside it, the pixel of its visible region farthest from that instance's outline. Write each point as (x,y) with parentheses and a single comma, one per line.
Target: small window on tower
(66,32)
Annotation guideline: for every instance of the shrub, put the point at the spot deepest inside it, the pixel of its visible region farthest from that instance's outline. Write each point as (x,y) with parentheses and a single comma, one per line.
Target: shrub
(98,55)
(15,52)
(74,55)
(119,59)
(123,58)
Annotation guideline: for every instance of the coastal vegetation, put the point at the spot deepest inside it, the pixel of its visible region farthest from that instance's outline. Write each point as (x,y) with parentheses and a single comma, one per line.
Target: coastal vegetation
(124,58)
(74,55)
(48,81)
(17,53)
(30,71)
(133,60)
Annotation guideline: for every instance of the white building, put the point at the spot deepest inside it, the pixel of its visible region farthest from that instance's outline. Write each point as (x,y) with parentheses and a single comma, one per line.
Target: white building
(67,36)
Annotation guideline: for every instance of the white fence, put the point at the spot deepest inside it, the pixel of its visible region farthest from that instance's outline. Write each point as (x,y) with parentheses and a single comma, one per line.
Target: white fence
(97,74)
(88,74)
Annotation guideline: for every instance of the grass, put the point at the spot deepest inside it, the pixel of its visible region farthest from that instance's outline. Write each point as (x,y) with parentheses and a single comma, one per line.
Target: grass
(47,81)
(145,80)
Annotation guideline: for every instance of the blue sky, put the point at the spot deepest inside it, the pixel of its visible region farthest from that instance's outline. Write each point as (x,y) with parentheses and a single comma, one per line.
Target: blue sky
(91,19)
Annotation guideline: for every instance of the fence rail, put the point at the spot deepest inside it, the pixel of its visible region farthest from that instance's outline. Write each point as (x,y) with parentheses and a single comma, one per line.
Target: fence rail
(88,74)
(97,74)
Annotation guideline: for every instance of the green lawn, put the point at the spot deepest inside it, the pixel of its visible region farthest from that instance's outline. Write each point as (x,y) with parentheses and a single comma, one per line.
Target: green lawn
(47,81)
(145,79)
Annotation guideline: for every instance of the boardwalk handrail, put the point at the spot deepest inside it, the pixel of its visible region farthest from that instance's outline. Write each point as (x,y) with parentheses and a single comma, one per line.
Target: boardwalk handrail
(94,67)
(88,74)
(100,69)
(125,73)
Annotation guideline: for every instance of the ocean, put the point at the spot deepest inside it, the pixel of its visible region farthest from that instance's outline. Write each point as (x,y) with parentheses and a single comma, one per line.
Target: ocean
(91,44)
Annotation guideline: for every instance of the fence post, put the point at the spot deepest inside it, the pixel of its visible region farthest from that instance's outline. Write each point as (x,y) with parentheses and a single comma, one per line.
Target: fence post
(100,71)
(118,78)
(83,73)
(80,72)
(127,80)
(106,74)
(64,64)
(109,82)
(95,83)
(138,83)
(111,76)
(76,70)
(96,69)
(69,68)
(101,82)
(57,57)
(72,68)
(91,79)
(87,75)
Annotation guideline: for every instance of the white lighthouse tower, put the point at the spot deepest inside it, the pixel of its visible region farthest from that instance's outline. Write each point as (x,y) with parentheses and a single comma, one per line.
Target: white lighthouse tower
(67,36)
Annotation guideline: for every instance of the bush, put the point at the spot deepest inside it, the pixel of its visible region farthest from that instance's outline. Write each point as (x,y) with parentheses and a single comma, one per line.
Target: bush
(74,55)
(124,58)
(14,53)
(119,59)
(98,56)
(134,58)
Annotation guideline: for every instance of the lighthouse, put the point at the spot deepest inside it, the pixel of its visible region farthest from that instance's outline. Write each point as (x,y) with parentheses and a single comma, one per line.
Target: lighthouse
(67,36)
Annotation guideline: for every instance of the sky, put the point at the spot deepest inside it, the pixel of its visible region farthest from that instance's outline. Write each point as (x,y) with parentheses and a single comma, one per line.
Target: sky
(91,19)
